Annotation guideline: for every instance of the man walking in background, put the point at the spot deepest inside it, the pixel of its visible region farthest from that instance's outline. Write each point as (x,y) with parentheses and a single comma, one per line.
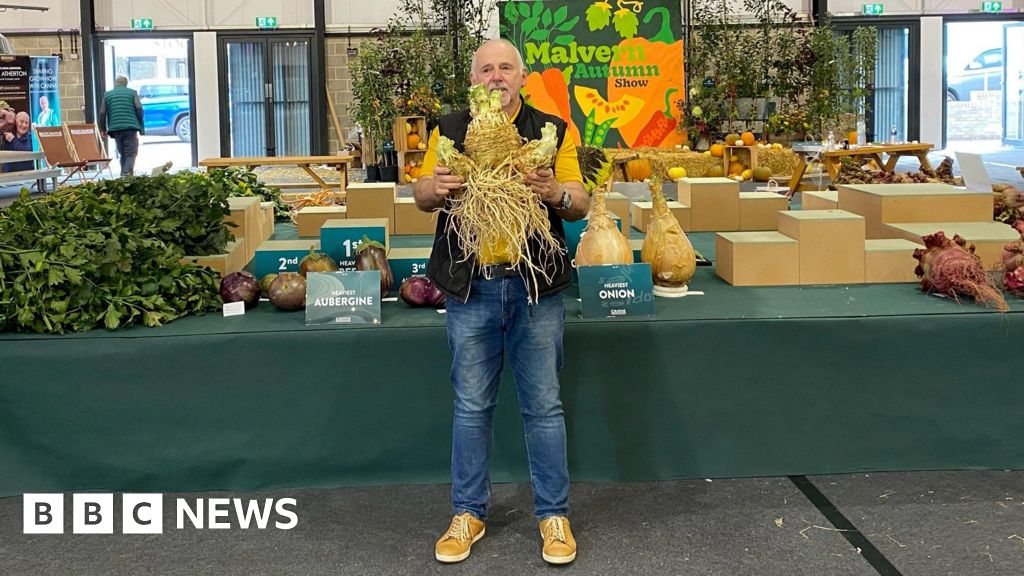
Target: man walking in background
(121,117)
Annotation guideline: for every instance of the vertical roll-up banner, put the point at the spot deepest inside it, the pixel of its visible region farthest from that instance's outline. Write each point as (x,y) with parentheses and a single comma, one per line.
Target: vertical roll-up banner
(14,82)
(43,91)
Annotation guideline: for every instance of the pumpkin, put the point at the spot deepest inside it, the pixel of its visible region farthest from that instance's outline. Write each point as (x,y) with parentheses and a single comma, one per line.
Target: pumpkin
(413,141)
(620,112)
(748,138)
(717,150)
(762,174)
(715,171)
(638,170)
(547,91)
(730,139)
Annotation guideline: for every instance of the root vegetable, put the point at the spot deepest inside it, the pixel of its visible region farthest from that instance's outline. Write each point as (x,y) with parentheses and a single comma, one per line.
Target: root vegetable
(667,249)
(949,267)
(602,243)
(1013,262)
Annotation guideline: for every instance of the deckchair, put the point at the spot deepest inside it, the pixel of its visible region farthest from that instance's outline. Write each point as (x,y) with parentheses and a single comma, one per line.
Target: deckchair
(86,146)
(55,147)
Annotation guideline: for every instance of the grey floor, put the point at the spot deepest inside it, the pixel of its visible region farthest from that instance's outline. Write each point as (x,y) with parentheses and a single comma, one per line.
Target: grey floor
(922,524)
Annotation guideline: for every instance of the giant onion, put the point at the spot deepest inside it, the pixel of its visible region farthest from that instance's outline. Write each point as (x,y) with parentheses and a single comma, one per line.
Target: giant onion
(602,243)
(666,247)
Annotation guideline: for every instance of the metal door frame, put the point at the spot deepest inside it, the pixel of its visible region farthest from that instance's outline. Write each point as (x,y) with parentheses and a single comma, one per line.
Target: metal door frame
(99,87)
(265,38)
(1019,141)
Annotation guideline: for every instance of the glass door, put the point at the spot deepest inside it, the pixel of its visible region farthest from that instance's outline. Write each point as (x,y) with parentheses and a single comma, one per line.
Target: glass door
(893,100)
(265,91)
(1013,85)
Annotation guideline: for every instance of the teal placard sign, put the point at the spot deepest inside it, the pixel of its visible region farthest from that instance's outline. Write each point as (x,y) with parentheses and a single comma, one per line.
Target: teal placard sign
(404,268)
(341,242)
(616,291)
(277,261)
(343,298)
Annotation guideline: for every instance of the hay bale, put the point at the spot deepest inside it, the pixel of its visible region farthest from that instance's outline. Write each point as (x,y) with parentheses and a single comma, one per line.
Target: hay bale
(661,159)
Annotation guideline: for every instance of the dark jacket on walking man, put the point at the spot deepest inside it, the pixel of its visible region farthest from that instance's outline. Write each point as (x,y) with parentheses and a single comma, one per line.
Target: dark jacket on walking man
(121,118)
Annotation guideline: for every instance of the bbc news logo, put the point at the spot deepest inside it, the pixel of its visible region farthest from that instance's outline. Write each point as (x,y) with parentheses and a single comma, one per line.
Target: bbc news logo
(144,513)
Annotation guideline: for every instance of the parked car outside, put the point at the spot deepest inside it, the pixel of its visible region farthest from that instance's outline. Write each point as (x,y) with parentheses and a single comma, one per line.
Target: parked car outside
(165,107)
(984,72)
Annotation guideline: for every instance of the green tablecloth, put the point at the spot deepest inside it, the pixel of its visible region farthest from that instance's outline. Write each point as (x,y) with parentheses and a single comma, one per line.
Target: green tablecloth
(739,382)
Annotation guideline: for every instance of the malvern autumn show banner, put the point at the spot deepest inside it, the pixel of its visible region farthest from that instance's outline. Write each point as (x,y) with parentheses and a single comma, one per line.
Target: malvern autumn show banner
(615,69)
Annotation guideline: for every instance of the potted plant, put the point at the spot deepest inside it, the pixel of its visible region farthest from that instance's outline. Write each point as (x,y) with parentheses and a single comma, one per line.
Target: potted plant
(374,77)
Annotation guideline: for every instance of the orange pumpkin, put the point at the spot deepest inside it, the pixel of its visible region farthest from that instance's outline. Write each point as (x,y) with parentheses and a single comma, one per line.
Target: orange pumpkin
(638,170)
(748,138)
(413,140)
(717,150)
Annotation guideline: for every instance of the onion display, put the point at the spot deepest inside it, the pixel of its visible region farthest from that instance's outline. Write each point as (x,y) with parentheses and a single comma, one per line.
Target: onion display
(240,287)
(666,248)
(317,262)
(602,243)
(420,292)
(288,291)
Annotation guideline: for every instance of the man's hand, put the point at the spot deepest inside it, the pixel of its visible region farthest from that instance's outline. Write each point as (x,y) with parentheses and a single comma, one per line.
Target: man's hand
(543,183)
(431,191)
(8,136)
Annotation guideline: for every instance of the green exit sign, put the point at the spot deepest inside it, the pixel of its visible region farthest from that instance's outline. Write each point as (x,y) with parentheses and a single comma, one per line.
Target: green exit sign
(266,22)
(872,9)
(142,24)
(991,6)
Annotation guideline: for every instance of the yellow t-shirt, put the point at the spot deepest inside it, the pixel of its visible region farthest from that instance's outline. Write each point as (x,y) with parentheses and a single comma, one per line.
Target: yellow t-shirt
(567,169)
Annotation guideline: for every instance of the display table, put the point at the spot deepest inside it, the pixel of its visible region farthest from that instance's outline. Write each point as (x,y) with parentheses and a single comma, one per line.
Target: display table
(833,158)
(739,382)
(339,163)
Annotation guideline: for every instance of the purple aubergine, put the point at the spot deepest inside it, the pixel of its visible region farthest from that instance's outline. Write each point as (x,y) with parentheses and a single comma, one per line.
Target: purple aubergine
(420,292)
(371,255)
(240,287)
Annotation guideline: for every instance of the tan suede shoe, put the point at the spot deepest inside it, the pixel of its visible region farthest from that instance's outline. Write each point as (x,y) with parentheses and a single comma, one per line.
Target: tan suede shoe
(464,531)
(559,545)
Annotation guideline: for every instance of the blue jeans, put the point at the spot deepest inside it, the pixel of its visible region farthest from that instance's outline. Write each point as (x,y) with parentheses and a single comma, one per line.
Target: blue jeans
(497,317)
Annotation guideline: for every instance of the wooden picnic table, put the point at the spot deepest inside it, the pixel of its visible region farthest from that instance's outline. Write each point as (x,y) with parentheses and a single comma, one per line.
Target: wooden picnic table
(339,163)
(832,159)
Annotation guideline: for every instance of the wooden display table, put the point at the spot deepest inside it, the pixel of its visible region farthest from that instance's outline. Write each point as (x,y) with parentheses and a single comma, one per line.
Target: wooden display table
(339,163)
(833,158)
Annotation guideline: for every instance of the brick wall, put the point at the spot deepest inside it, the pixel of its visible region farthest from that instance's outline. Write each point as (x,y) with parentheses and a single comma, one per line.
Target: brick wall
(977,119)
(339,86)
(72,89)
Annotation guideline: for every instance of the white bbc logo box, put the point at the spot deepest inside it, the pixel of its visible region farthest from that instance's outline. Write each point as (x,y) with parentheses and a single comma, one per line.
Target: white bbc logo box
(92,514)
(143,513)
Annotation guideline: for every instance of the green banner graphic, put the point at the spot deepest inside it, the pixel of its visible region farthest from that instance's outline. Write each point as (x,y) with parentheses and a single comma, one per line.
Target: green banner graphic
(615,69)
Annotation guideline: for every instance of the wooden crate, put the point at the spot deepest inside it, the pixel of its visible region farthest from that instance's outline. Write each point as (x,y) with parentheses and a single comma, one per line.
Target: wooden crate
(401,138)
(408,156)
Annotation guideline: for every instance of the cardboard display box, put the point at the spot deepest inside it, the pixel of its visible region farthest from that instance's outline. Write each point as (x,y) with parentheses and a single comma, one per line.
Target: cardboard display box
(408,219)
(640,214)
(276,256)
(757,258)
(882,204)
(618,204)
(311,218)
(266,221)
(831,245)
(819,200)
(231,260)
(245,215)
(714,203)
(988,237)
(760,210)
(370,200)
(890,260)
(339,239)
(408,262)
